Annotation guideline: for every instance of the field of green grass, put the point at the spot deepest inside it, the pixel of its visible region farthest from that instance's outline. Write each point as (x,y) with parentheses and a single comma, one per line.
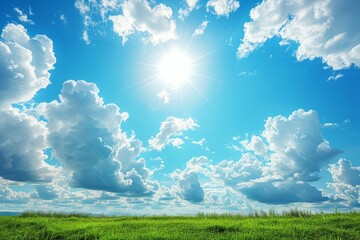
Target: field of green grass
(293,225)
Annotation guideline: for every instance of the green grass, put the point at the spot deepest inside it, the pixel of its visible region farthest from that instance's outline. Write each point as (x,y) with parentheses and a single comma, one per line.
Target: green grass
(294,224)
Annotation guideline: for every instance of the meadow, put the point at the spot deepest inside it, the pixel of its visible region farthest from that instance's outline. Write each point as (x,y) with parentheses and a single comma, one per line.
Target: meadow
(259,225)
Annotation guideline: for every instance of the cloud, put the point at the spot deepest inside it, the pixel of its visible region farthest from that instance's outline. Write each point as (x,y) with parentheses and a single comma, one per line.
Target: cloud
(8,195)
(24,69)
(201,29)
(170,129)
(23,17)
(346,183)
(232,173)
(201,142)
(299,150)
(344,172)
(25,64)
(335,77)
(138,16)
(256,145)
(86,138)
(330,125)
(283,192)
(164,96)
(63,18)
(85,37)
(95,12)
(322,29)
(190,6)
(22,146)
(292,152)
(187,184)
(222,7)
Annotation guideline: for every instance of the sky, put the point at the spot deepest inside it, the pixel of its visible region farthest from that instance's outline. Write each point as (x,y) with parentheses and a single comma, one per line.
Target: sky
(138,107)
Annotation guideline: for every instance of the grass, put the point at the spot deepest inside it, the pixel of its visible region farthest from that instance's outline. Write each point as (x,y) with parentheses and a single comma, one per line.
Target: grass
(295,224)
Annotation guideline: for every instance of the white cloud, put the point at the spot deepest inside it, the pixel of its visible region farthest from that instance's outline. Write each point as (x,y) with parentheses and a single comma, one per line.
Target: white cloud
(22,145)
(256,145)
(86,138)
(242,171)
(63,18)
(201,142)
(190,6)
(8,195)
(294,151)
(323,29)
(138,16)
(85,37)
(95,12)
(346,183)
(201,28)
(335,77)
(23,17)
(330,125)
(170,130)
(222,7)
(299,151)
(344,172)
(187,184)
(25,64)
(164,96)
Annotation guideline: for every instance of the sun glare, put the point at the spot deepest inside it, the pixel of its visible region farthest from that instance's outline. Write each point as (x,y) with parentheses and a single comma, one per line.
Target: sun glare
(175,68)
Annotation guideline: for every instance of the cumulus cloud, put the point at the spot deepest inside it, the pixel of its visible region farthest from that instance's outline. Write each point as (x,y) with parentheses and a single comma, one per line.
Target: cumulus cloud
(346,183)
(24,69)
(201,29)
(8,195)
(222,7)
(187,183)
(344,172)
(322,29)
(190,6)
(232,173)
(299,150)
(25,64)
(170,130)
(292,152)
(86,138)
(22,145)
(256,144)
(139,16)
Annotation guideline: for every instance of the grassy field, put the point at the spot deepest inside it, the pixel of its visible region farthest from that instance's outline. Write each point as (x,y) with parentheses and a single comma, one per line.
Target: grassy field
(295,225)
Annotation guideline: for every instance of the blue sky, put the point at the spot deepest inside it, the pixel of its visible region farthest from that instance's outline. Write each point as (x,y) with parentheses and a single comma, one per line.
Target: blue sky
(141,107)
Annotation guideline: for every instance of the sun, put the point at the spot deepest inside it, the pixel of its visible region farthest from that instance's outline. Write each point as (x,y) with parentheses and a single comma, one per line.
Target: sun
(175,68)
